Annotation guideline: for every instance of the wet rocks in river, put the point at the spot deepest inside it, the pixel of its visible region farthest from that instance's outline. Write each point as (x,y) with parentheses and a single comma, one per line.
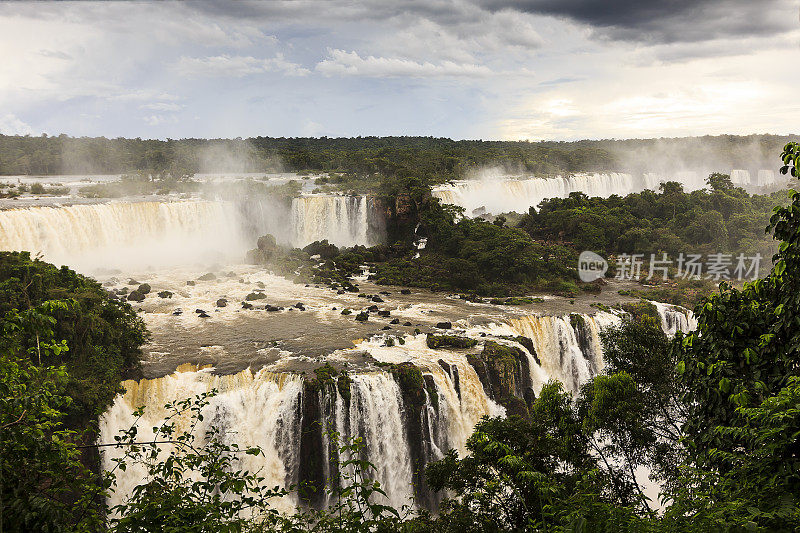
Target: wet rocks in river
(273,308)
(247,305)
(384,313)
(405,291)
(204,315)
(444,325)
(362,316)
(222,302)
(136,296)
(406,323)
(255,296)
(165,294)
(207,277)
(177,312)
(386,327)
(190,283)
(395,321)
(300,306)
(372,309)
(346,311)
(377,299)
(144,288)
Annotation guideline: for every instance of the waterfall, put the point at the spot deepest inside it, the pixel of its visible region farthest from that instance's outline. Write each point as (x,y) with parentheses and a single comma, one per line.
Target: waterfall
(119,234)
(144,234)
(342,220)
(250,409)
(675,318)
(740,177)
(568,348)
(376,417)
(500,194)
(766,178)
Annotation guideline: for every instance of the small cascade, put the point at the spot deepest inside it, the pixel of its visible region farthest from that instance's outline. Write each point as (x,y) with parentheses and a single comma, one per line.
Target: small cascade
(342,220)
(675,318)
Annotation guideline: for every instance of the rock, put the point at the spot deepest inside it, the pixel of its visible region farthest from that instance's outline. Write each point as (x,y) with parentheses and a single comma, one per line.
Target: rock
(204,315)
(207,277)
(136,296)
(405,291)
(299,305)
(384,313)
(385,293)
(449,341)
(386,327)
(255,296)
(395,321)
(340,291)
(407,323)
(247,305)
(144,288)
(346,312)
(222,302)
(165,294)
(190,283)
(266,243)
(362,316)
(260,284)
(372,308)
(177,312)
(377,299)
(198,311)
(272,308)
(333,309)
(444,325)
(132,281)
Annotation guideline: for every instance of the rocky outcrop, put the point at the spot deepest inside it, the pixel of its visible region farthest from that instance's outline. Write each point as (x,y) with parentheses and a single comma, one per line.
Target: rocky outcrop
(266,250)
(504,372)
(449,341)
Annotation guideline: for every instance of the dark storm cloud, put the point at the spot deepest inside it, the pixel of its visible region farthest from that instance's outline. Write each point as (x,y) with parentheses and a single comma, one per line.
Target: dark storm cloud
(666,21)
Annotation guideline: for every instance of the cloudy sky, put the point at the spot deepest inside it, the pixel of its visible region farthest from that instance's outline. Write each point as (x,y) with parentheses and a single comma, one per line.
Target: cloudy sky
(490,69)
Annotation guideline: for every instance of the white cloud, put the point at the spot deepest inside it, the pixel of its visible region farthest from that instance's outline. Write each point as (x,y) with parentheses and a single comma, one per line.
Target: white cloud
(342,63)
(162,106)
(157,120)
(236,66)
(11,125)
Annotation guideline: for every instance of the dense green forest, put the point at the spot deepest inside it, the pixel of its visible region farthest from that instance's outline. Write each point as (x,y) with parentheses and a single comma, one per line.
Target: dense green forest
(437,158)
(713,415)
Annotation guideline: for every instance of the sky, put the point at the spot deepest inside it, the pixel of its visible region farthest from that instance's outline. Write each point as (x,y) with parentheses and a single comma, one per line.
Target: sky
(464,69)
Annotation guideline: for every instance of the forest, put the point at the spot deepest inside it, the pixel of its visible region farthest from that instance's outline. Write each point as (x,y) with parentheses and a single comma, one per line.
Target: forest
(438,158)
(713,415)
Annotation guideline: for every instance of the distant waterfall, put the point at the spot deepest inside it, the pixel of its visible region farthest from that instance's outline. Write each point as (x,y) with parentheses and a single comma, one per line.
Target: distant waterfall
(342,220)
(675,318)
(500,194)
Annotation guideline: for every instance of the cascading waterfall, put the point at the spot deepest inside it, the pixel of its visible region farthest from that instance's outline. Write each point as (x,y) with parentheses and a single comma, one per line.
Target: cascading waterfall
(250,409)
(675,318)
(568,348)
(143,234)
(342,220)
(117,234)
(376,416)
